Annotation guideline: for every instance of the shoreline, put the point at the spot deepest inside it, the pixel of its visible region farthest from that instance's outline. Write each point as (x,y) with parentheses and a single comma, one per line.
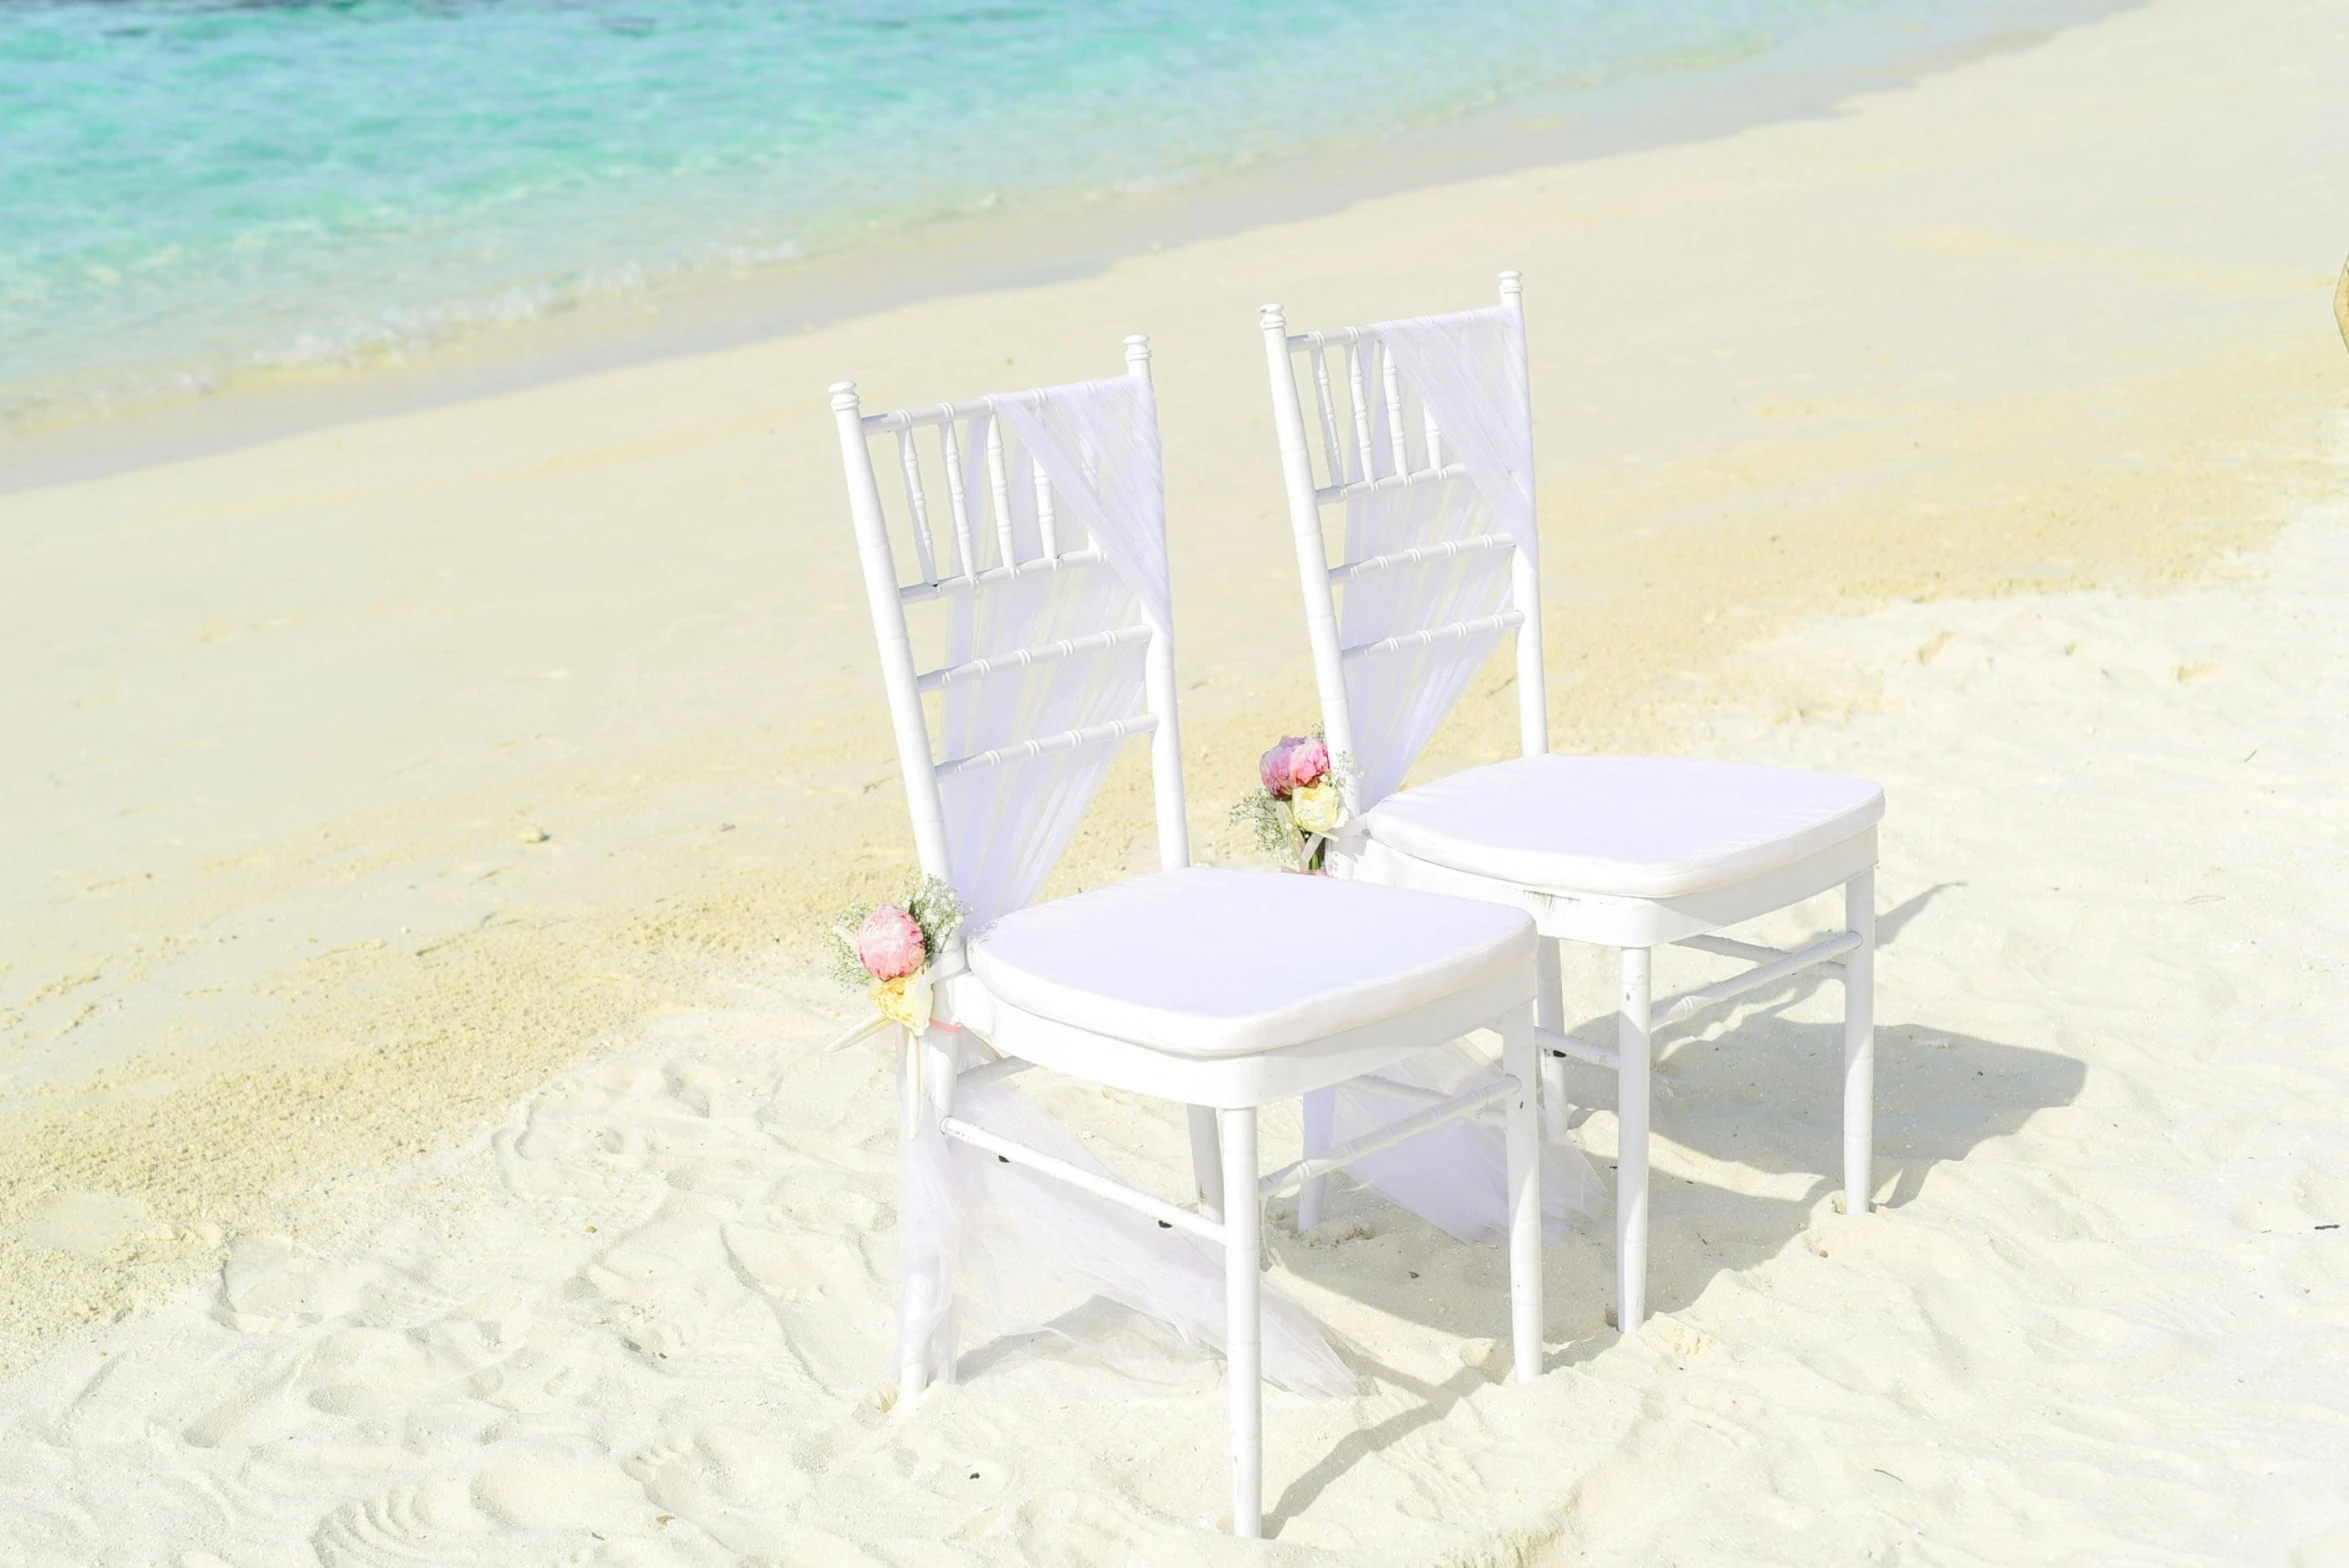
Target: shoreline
(301,707)
(1808,78)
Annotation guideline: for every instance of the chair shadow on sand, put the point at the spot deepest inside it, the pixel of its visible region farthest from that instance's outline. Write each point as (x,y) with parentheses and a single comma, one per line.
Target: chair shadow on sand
(1758,1091)
(1763,1096)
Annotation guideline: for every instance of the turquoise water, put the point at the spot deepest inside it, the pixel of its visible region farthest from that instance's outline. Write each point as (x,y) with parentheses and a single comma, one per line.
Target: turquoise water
(193,190)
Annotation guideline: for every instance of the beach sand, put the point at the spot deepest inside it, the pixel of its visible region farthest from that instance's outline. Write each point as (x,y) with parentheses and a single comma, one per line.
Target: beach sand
(421,829)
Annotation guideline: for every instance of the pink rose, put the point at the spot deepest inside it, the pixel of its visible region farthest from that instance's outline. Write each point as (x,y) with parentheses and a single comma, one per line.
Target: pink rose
(1275,770)
(889,944)
(1308,761)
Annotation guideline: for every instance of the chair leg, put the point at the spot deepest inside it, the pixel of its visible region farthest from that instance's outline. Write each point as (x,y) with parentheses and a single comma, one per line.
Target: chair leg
(925,1302)
(1859,1044)
(1243,1325)
(1321,1120)
(1631,1158)
(1520,1060)
(1549,1011)
(1206,1160)
(913,1374)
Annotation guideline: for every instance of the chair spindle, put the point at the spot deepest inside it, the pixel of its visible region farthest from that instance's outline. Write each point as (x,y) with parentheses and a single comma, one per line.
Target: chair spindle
(1361,405)
(918,504)
(951,451)
(998,480)
(1394,392)
(1046,525)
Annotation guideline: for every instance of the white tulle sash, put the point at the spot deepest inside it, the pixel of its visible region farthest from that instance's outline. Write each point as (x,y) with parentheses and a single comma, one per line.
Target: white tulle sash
(972,1222)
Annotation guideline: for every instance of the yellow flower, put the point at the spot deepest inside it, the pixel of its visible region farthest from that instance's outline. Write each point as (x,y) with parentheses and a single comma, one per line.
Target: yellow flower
(905,1000)
(1318,807)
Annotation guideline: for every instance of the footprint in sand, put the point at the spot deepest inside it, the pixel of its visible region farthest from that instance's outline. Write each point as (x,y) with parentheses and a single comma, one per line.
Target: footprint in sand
(414,1524)
(736,1485)
(538,1378)
(535,1511)
(410,1294)
(560,1485)
(373,1374)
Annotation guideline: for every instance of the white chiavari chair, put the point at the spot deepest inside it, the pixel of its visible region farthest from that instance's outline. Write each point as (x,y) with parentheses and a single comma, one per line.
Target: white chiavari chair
(1422,430)
(1220,990)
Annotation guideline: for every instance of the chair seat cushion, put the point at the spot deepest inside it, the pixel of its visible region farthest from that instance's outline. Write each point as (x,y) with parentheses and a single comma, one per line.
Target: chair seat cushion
(1633,827)
(1207,962)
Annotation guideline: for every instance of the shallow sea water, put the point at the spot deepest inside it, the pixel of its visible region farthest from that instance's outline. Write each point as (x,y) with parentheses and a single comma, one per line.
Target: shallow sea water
(194,190)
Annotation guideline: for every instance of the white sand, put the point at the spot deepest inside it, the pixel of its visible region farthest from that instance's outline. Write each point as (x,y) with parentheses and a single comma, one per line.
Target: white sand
(2096,1321)
(1820,406)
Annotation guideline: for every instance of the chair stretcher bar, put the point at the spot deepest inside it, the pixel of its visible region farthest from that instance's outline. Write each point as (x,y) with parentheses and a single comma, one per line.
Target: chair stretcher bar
(1674,1009)
(1100,1186)
(1730,947)
(1406,1094)
(1291,1177)
(1287,1179)
(1558,1044)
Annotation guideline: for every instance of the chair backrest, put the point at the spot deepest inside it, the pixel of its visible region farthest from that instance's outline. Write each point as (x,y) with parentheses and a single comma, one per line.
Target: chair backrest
(1047,567)
(1424,437)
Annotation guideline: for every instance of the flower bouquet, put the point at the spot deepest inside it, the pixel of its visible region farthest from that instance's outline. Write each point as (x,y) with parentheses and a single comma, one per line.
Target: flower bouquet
(889,950)
(1301,804)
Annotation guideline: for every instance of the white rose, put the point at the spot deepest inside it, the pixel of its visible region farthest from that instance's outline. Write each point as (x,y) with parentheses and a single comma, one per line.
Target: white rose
(1318,807)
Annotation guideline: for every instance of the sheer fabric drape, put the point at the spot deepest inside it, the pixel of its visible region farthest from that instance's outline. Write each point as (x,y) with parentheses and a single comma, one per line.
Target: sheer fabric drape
(1025,1247)
(1467,373)
(1457,1177)
(1052,473)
